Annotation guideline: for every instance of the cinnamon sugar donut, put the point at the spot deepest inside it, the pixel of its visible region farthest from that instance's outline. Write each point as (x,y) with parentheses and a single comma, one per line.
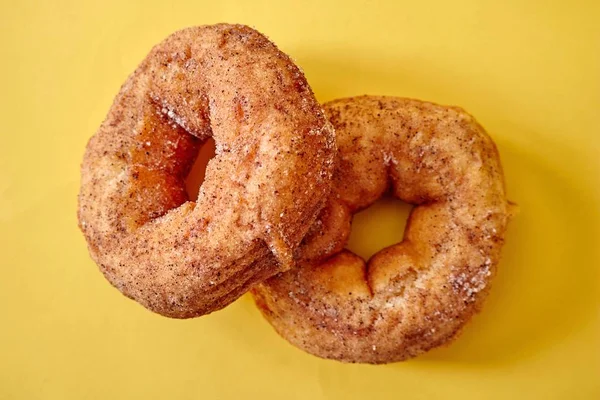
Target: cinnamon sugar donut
(265,186)
(417,294)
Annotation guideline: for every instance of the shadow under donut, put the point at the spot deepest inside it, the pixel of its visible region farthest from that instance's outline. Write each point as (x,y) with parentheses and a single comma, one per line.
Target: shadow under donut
(547,279)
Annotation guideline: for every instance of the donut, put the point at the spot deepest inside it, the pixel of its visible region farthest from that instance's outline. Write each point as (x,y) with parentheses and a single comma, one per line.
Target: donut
(416,294)
(270,176)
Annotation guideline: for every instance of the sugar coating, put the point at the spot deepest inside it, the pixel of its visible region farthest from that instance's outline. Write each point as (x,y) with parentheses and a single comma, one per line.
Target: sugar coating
(181,258)
(419,293)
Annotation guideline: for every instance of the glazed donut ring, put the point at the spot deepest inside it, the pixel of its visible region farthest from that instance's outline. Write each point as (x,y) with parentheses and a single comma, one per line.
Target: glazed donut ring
(267,183)
(417,294)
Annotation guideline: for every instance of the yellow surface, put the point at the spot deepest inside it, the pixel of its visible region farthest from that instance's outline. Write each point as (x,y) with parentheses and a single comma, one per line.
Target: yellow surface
(529,72)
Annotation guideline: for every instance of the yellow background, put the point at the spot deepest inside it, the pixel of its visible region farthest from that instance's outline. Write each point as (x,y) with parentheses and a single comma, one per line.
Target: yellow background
(529,71)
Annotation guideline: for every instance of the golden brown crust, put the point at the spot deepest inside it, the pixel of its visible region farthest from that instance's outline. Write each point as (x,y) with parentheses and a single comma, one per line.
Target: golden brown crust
(265,186)
(415,295)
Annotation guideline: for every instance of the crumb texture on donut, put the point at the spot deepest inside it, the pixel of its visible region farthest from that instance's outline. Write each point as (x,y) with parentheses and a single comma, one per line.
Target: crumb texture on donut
(417,294)
(266,184)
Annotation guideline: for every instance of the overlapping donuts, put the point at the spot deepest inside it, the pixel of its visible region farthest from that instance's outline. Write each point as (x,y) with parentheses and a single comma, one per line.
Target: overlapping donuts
(274,212)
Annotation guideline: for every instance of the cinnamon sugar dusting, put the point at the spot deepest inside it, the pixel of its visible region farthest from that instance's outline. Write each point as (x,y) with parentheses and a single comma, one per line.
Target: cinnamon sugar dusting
(181,258)
(416,294)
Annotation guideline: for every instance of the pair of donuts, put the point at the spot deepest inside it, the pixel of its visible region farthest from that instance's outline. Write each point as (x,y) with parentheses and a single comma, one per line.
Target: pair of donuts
(274,212)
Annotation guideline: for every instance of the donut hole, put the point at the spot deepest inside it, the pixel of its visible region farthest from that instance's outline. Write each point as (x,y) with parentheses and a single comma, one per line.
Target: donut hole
(195,177)
(378,226)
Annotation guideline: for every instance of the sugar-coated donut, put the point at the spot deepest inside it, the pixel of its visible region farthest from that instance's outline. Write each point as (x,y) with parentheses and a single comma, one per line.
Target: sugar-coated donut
(266,185)
(417,294)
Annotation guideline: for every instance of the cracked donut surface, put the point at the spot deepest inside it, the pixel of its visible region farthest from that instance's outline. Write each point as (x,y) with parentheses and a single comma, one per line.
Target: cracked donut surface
(419,293)
(266,184)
